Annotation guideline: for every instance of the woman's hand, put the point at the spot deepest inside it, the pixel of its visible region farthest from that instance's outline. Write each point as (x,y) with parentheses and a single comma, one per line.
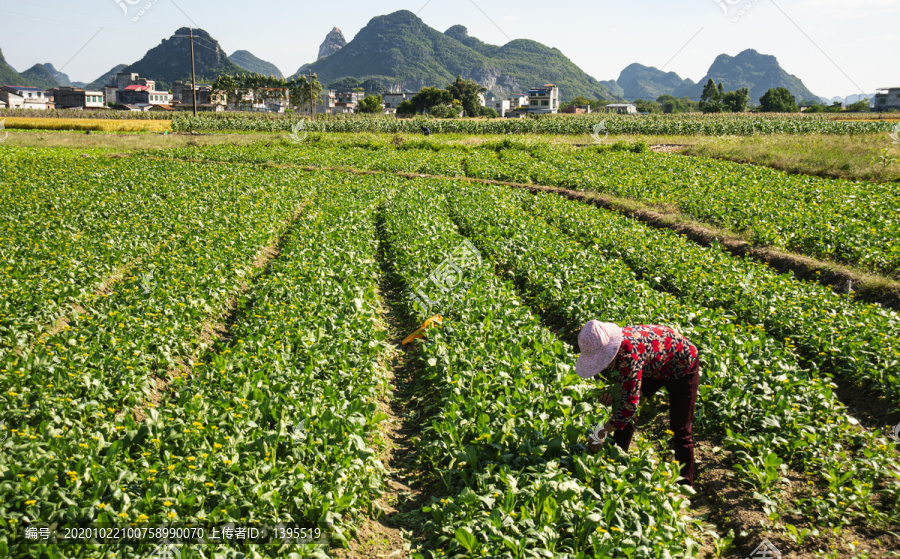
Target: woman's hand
(606,399)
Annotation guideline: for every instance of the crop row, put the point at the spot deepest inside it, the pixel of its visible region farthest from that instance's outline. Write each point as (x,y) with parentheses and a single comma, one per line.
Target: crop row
(71,223)
(512,414)
(754,395)
(848,221)
(832,334)
(549,124)
(108,114)
(840,220)
(272,423)
(150,321)
(61,396)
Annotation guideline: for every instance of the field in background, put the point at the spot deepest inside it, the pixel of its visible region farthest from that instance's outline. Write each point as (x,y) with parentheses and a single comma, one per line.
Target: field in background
(597,125)
(86,124)
(848,156)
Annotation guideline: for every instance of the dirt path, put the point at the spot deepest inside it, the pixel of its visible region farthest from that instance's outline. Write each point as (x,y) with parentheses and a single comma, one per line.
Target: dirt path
(391,531)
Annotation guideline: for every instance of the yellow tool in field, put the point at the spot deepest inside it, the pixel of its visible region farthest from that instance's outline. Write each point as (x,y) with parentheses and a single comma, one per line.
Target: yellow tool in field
(431,322)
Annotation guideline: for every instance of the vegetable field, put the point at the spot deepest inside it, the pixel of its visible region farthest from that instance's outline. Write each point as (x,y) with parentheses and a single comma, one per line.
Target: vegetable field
(205,342)
(851,222)
(743,125)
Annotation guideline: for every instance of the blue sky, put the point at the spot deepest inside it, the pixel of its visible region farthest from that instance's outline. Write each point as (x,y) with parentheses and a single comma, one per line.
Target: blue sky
(837,47)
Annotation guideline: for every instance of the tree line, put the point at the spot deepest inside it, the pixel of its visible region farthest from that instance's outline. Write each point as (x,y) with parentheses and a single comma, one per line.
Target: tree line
(461,98)
(247,89)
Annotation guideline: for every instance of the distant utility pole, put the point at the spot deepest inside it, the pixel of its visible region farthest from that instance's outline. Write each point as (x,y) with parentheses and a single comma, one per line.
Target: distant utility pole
(193,74)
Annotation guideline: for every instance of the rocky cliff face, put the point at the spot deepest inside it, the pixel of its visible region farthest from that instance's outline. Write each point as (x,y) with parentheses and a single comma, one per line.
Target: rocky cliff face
(496,81)
(334,42)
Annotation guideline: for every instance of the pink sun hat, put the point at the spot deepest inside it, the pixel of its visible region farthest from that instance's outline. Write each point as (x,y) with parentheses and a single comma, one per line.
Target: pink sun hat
(599,342)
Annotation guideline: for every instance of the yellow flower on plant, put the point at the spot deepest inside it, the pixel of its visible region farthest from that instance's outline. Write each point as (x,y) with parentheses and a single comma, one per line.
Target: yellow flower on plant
(30,502)
(168,503)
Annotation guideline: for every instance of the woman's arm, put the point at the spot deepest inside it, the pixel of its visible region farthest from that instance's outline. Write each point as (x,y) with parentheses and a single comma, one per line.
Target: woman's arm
(631,371)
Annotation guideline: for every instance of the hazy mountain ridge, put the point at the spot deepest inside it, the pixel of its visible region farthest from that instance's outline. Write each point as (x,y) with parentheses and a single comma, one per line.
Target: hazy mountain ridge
(39,76)
(400,49)
(170,61)
(637,81)
(248,61)
(757,72)
(8,75)
(106,79)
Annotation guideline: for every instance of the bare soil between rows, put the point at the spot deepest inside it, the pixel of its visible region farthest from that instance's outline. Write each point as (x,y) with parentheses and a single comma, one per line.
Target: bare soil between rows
(397,524)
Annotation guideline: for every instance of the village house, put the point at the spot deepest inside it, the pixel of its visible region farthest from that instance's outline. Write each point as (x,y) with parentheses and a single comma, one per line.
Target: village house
(887,98)
(329,97)
(347,101)
(183,93)
(577,110)
(10,100)
(124,79)
(142,95)
(32,97)
(621,108)
(109,95)
(77,98)
(502,106)
(518,101)
(543,100)
(393,100)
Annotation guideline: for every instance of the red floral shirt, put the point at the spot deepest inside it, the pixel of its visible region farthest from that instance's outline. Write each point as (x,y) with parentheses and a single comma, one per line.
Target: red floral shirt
(655,352)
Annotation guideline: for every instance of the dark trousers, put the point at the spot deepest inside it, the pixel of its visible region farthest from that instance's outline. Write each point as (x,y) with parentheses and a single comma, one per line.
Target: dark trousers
(682,397)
